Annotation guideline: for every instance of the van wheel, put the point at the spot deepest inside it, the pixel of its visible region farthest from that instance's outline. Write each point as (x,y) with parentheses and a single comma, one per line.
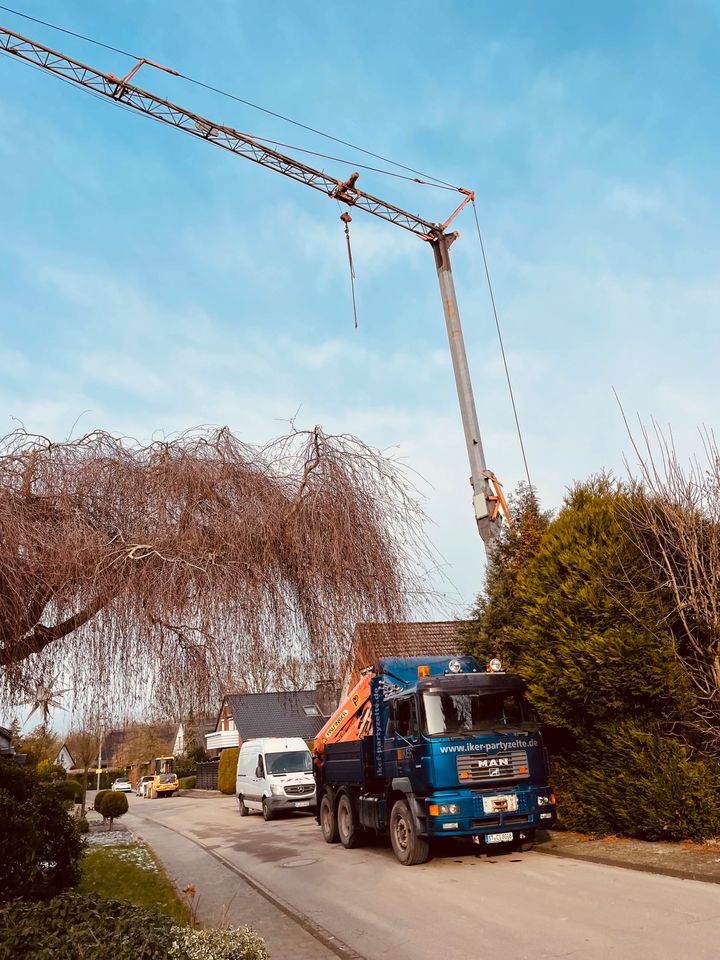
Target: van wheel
(328,822)
(241,806)
(349,830)
(408,847)
(267,812)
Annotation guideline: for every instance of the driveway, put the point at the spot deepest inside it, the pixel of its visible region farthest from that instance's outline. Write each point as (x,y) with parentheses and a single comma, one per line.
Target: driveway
(459,905)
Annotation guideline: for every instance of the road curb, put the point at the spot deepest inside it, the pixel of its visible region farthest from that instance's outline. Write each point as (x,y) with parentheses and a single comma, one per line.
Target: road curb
(639,867)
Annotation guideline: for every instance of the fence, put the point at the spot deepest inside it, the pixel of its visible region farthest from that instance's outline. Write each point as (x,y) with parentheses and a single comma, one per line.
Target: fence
(207,775)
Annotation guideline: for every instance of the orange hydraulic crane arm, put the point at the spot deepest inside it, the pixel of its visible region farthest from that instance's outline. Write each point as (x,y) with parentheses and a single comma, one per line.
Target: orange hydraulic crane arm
(351,720)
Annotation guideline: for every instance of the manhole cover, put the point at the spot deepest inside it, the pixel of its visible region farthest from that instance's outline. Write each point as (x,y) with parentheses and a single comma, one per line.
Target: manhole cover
(299,862)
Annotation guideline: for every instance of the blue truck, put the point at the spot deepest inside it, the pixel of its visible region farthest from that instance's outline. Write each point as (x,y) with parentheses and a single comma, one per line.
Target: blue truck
(433,747)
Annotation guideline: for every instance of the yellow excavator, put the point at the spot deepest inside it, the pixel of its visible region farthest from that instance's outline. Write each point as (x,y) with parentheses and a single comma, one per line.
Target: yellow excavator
(164,782)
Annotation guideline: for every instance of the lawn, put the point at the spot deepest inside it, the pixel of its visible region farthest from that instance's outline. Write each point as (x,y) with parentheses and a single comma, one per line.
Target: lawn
(129,871)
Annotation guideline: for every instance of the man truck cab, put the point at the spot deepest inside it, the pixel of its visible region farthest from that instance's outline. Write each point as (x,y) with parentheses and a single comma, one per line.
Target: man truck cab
(274,774)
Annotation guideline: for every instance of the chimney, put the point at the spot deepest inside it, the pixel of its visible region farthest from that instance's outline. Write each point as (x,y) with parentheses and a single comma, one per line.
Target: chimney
(326,696)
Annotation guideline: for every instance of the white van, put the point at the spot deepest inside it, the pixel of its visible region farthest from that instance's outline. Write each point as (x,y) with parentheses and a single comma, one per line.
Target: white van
(274,774)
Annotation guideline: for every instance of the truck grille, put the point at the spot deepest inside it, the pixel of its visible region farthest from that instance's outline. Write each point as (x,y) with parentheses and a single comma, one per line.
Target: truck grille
(512,765)
(299,789)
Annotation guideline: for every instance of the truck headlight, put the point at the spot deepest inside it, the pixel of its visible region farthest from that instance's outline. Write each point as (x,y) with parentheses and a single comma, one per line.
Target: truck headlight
(443,809)
(546,800)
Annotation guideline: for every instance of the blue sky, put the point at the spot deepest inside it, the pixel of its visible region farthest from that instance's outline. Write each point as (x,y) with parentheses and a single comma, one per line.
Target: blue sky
(151,283)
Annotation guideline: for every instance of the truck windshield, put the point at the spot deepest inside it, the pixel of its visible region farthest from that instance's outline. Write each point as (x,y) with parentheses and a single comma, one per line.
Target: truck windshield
(294,761)
(449,713)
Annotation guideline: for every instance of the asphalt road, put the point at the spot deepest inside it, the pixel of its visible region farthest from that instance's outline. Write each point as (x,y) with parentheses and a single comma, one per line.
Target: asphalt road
(459,905)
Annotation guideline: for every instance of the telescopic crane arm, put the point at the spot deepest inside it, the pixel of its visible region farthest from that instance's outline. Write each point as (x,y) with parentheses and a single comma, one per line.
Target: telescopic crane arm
(488,500)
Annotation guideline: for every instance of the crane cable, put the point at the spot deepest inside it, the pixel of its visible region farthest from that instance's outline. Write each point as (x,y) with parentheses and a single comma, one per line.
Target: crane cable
(347,220)
(255,106)
(502,347)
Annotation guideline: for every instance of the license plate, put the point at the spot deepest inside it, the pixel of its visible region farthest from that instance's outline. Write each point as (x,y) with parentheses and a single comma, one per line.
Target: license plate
(498,838)
(301,803)
(500,803)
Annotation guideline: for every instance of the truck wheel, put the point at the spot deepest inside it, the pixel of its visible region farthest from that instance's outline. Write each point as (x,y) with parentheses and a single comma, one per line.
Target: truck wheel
(328,821)
(409,848)
(267,812)
(241,806)
(349,830)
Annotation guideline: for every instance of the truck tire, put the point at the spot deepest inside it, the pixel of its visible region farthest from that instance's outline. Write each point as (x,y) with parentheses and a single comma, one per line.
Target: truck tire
(408,847)
(348,825)
(328,821)
(267,812)
(241,806)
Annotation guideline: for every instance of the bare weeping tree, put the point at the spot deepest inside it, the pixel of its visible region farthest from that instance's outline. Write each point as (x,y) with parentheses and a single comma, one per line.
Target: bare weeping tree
(162,570)
(675,519)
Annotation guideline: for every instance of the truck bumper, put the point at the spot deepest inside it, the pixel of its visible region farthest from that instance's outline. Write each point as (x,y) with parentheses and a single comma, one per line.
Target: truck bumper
(471,820)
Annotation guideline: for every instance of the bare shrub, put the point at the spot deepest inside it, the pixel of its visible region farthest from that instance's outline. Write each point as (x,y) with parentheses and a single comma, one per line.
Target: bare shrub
(171,567)
(675,519)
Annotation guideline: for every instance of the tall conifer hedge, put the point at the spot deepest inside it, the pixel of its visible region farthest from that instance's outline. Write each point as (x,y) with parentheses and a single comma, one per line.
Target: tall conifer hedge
(602,673)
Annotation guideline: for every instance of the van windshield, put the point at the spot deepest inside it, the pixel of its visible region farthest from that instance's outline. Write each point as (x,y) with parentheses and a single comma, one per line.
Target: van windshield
(294,761)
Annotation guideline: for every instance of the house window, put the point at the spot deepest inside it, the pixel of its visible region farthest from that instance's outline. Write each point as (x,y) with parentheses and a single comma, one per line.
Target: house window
(311,710)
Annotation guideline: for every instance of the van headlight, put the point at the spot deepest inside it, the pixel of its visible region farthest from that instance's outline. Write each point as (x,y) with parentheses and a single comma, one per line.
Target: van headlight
(276,789)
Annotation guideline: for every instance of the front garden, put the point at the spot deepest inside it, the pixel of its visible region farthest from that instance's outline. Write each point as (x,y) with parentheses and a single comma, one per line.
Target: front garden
(61,898)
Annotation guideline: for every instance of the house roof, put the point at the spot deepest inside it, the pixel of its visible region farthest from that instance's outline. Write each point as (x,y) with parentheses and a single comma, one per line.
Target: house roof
(131,743)
(423,639)
(371,641)
(67,751)
(278,714)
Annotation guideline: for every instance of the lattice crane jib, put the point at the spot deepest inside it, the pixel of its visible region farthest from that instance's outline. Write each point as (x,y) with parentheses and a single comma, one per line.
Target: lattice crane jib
(489,505)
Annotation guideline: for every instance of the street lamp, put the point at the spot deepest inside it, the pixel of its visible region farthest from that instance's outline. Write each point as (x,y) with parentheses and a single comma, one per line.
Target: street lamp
(102,723)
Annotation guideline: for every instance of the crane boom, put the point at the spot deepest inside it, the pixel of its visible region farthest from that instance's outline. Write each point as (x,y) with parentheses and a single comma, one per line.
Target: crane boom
(488,500)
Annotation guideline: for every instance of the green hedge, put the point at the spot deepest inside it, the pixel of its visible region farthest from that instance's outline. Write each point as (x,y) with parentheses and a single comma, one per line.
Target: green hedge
(589,629)
(40,846)
(68,925)
(75,927)
(187,783)
(227,770)
(647,786)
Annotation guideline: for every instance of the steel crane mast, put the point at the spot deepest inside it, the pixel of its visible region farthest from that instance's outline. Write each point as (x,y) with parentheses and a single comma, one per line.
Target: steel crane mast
(488,499)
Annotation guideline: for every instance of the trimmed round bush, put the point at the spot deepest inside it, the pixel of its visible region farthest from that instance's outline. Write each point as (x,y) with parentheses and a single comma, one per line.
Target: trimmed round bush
(70,790)
(227,770)
(40,846)
(187,783)
(111,804)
